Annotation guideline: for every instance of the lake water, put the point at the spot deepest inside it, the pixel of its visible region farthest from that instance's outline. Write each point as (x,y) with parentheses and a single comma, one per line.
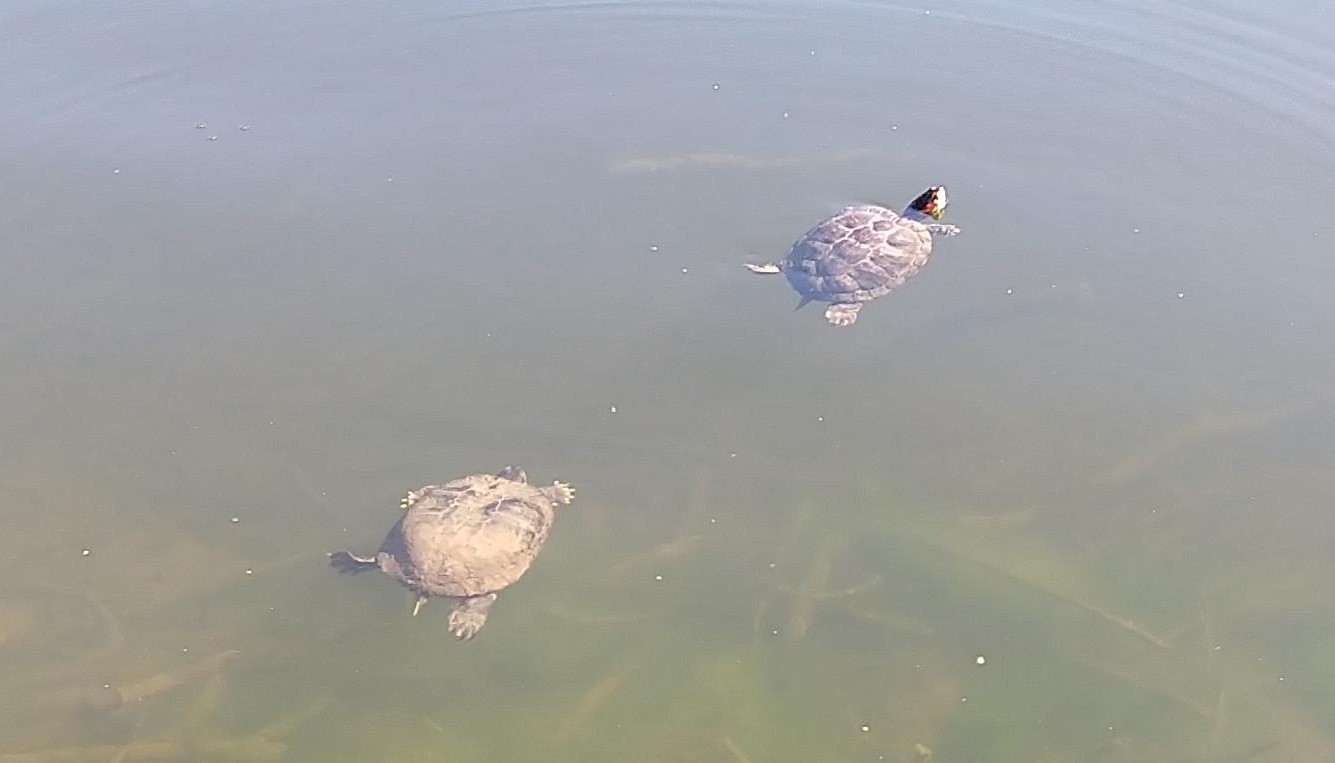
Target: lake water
(1065,496)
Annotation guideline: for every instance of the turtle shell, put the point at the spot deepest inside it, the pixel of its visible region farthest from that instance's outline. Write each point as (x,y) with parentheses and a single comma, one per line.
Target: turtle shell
(471,536)
(857,255)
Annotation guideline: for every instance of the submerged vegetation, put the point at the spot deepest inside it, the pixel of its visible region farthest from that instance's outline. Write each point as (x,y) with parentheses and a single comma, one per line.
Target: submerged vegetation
(887,633)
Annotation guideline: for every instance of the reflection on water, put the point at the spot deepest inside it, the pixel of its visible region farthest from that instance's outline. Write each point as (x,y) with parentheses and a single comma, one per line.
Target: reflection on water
(1064,497)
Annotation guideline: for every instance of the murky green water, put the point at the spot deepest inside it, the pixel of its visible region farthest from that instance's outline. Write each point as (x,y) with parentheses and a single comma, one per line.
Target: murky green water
(266,266)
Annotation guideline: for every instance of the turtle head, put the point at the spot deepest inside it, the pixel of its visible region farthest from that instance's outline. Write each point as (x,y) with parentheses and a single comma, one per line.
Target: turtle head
(932,203)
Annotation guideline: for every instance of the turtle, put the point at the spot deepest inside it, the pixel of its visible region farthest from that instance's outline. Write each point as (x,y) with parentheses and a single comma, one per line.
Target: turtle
(862,253)
(465,540)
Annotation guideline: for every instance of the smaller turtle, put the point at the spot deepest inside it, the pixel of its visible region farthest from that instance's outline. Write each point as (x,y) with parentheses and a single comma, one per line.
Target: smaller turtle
(862,253)
(465,540)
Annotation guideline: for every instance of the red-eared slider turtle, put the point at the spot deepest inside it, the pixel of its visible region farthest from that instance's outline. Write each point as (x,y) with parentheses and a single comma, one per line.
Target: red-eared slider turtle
(862,253)
(465,540)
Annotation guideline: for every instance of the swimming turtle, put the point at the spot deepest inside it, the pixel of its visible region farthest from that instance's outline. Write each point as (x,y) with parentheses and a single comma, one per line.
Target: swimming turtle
(862,253)
(466,540)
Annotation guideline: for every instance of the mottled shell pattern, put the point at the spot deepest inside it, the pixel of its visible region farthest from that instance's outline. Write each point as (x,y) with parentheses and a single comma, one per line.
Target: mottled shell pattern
(470,536)
(858,255)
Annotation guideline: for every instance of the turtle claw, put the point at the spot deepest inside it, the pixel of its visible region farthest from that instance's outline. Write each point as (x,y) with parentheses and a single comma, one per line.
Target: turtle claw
(943,229)
(842,314)
(560,493)
(346,562)
(469,617)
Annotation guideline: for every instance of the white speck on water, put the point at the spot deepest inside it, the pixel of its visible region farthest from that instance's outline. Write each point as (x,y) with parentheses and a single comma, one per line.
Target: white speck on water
(926,13)
(243,127)
(106,686)
(250,572)
(1181,294)
(775,631)
(785,115)
(86,552)
(1135,230)
(1281,678)
(1217,647)
(1009,291)
(236,519)
(732,455)
(813,52)
(270,423)
(659,578)
(653,247)
(213,137)
(200,125)
(713,521)
(1052,286)
(716,86)
(613,409)
(685,270)
(866,728)
(964,699)
(116,171)
(389,180)
(185,650)
(980,659)
(772,565)
(894,128)
(820,418)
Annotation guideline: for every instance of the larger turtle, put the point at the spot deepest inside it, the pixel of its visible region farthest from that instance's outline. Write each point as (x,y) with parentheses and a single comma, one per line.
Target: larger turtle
(465,540)
(862,253)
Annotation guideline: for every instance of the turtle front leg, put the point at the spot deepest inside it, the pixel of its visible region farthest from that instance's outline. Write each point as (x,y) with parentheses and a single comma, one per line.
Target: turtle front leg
(470,615)
(345,561)
(943,229)
(559,493)
(842,313)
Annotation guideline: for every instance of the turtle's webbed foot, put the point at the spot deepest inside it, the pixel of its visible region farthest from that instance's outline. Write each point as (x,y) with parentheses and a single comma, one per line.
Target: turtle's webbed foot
(469,617)
(943,229)
(560,493)
(768,269)
(841,314)
(345,562)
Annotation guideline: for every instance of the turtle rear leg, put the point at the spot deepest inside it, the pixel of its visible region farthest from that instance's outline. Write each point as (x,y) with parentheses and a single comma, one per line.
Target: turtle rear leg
(842,313)
(768,269)
(512,473)
(470,615)
(559,493)
(345,561)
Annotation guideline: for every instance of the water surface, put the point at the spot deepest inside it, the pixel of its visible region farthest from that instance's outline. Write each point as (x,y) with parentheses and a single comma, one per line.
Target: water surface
(270,265)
